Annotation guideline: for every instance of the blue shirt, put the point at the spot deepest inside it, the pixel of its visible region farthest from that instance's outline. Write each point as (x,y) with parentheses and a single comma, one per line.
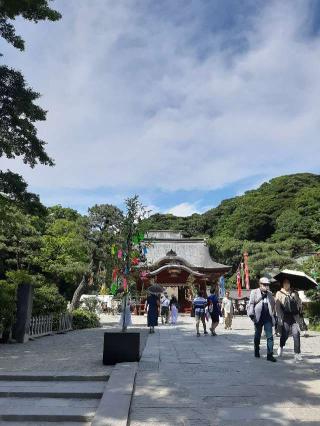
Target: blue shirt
(212,299)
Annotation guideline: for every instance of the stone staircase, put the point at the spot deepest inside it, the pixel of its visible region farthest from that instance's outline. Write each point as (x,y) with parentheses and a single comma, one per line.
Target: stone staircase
(49,400)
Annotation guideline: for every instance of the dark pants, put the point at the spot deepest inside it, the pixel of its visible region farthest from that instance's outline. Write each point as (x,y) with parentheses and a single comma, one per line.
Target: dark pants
(257,335)
(285,330)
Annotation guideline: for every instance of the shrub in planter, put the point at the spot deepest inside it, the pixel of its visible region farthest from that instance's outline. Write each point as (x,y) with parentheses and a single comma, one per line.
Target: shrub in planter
(8,292)
(83,318)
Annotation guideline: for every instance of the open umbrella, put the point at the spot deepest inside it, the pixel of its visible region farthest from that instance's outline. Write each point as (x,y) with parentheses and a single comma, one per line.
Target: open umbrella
(155,289)
(298,280)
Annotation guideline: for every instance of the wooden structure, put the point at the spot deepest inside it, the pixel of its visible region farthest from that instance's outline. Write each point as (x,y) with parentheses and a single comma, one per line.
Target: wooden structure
(180,265)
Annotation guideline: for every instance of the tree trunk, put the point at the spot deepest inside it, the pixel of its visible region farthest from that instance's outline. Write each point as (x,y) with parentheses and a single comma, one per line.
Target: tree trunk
(78,293)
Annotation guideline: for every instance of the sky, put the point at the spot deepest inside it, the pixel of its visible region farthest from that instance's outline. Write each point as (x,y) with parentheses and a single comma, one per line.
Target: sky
(184,102)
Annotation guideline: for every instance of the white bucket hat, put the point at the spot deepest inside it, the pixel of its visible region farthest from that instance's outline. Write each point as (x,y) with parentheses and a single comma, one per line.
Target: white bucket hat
(264,280)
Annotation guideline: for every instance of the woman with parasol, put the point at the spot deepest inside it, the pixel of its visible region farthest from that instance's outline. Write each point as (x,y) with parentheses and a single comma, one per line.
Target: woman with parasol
(289,310)
(289,306)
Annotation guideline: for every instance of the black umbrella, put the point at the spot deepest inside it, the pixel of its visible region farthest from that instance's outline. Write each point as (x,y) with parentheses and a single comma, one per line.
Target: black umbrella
(298,280)
(155,289)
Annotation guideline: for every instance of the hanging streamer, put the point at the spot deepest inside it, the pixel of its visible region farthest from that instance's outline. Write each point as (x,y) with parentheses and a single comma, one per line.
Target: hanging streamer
(113,249)
(242,274)
(246,270)
(145,250)
(239,283)
(114,274)
(222,289)
(114,288)
(125,283)
(135,261)
(119,254)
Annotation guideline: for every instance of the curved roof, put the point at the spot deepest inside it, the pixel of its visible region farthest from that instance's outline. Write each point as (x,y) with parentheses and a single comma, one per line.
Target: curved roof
(194,252)
(175,265)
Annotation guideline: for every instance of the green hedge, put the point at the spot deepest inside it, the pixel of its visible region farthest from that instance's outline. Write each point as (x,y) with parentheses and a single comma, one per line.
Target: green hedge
(82,318)
(313,312)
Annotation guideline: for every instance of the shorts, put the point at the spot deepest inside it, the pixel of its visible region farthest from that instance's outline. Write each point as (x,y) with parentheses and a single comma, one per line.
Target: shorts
(214,317)
(164,311)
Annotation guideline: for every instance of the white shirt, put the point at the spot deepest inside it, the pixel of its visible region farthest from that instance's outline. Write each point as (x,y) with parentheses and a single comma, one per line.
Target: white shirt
(227,305)
(165,302)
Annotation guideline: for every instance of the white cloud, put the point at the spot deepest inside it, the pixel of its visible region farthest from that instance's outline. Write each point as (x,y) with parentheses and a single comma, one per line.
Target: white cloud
(132,103)
(183,209)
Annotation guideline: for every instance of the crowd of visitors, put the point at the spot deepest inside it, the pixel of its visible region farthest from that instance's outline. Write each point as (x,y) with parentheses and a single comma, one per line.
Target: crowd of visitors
(281,314)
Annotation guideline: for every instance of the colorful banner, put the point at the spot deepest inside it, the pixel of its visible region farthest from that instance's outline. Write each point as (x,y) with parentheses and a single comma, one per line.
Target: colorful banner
(246,270)
(242,274)
(239,283)
(222,289)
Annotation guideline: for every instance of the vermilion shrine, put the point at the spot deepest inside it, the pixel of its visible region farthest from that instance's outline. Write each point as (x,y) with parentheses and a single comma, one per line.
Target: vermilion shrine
(180,265)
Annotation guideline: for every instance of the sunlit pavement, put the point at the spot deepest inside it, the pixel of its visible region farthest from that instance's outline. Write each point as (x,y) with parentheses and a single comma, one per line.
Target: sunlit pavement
(215,380)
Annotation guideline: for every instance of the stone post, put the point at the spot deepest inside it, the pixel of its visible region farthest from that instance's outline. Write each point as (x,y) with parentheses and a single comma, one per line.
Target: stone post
(20,331)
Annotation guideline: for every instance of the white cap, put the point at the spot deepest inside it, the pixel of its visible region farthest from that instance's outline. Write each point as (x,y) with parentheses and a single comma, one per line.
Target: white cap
(264,280)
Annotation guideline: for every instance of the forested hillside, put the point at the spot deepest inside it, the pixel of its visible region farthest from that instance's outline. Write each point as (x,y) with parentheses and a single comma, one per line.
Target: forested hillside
(57,246)
(275,223)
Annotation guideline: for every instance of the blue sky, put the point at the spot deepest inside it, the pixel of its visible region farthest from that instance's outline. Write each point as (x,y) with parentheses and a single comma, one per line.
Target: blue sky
(185,102)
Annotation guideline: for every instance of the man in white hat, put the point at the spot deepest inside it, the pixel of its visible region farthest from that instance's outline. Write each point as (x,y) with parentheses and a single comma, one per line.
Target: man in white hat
(261,310)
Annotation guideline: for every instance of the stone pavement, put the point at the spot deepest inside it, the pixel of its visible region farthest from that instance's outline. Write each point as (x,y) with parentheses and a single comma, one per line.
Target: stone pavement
(190,381)
(76,351)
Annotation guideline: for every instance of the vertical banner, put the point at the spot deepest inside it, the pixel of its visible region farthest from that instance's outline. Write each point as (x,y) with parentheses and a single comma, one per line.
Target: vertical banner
(246,270)
(222,290)
(239,283)
(242,274)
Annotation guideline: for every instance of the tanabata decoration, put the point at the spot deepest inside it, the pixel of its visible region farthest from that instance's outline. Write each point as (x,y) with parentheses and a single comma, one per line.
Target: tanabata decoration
(114,274)
(144,275)
(119,254)
(239,283)
(145,250)
(113,249)
(114,288)
(126,270)
(125,284)
(135,261)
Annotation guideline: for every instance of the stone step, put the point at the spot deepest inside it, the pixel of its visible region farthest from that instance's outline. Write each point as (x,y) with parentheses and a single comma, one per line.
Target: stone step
(51,389)
(39,377)
(47,409)
(42,423)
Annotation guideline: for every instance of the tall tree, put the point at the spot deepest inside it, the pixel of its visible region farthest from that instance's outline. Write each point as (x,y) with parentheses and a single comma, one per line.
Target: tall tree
(32,10)
(104,223)
(18,111)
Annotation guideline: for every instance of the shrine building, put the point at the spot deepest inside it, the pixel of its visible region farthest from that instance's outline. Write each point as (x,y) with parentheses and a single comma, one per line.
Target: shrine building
(180,265)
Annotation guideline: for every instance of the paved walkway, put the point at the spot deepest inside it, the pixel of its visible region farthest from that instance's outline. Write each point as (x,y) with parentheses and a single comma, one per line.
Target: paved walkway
(185,380)
(77,351)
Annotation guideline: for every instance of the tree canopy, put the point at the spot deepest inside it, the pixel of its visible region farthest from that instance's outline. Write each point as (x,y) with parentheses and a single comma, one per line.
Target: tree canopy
(32,10)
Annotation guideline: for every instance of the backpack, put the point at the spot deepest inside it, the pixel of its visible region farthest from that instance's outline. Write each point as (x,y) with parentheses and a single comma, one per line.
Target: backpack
(290,305)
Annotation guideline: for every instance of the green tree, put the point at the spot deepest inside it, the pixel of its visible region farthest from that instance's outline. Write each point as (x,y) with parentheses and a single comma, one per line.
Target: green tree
(32,10)
(103,224)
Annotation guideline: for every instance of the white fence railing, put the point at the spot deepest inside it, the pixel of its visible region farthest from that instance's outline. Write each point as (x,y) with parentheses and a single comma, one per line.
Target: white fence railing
(47,324)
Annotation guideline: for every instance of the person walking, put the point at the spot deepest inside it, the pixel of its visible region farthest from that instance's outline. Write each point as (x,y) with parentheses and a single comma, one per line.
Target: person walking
(152,307)
(199,305)
(214,310)
(289,309)
(165,302)
(262,313)
(174,310)
(227,309)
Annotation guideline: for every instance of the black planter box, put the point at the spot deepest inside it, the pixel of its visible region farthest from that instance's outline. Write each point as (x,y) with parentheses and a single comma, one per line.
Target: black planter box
(123,347)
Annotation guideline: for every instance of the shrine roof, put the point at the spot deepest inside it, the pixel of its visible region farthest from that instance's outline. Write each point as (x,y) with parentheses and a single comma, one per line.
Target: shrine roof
(194,251)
